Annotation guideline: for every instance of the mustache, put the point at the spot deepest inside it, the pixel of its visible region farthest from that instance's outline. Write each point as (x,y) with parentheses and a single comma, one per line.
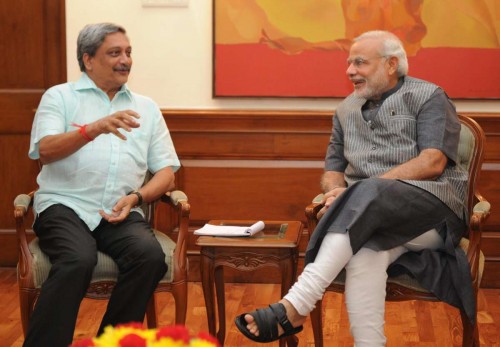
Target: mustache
(354,80)
(122,68)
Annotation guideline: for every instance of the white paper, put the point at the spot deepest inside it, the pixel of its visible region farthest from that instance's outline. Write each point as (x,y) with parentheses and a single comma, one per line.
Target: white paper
(227,230)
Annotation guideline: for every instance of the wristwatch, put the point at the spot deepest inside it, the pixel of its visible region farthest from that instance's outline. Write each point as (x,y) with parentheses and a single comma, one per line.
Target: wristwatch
(139,196)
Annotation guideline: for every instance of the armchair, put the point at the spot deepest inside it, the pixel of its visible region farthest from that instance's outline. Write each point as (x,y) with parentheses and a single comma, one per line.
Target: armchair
(404,287)
(33,266)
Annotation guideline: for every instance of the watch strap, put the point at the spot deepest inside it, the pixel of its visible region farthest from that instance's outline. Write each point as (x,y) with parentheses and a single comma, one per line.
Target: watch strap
(139,196)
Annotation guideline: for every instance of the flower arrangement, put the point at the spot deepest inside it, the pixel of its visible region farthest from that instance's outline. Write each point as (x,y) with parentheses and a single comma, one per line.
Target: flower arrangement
(135,335)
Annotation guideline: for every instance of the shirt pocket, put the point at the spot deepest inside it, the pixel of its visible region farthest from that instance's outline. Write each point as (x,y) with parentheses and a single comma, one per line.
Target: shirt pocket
(402,129)
(135,152)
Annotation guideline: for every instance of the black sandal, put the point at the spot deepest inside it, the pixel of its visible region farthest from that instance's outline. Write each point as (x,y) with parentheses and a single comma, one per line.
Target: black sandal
(267,320)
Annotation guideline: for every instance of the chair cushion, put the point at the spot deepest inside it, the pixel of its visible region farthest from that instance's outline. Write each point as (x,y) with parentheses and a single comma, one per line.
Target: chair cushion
(407,281)
(106,269)
(466,147)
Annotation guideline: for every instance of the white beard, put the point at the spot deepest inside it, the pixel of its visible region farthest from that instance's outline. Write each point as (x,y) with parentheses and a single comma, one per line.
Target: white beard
(374,87)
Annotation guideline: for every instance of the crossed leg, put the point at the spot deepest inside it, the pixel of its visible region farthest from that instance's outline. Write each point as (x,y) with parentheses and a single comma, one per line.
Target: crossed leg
(333,255)
(366,276)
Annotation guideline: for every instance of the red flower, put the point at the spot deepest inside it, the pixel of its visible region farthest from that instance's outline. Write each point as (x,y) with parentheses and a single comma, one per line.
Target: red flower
(176,333)
(133,340)
(83,343)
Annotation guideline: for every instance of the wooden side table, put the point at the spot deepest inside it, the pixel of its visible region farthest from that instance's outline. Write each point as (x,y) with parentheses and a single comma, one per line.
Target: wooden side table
(276,246)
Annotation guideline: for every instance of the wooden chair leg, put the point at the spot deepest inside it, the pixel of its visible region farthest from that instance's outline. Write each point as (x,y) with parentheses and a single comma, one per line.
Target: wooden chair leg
(151,312)
(470,332)
(292,341)
(179,291)
(27,299)
(317,324)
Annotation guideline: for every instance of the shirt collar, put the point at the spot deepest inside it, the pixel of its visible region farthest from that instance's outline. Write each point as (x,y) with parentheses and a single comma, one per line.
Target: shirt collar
(85,82)
(393,90)
(370,104)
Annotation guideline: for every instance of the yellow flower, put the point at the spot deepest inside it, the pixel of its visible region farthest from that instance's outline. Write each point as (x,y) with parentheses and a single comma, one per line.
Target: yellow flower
(134,335)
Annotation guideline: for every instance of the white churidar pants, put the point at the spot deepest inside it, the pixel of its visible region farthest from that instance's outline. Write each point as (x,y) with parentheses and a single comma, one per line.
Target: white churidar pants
(366,277)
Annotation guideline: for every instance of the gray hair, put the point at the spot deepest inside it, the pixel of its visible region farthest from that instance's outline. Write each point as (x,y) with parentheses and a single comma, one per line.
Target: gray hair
(91,38)
(392,47)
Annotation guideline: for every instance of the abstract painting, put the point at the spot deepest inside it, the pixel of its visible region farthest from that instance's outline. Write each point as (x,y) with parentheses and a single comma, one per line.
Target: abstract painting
(299,48)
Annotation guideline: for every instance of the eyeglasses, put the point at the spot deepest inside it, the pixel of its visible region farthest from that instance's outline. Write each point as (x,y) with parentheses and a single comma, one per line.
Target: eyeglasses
(360,62)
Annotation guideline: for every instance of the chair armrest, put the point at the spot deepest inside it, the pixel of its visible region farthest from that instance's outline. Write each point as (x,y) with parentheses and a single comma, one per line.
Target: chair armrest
(478,197)
(178,200)
(483,207)
(480,214)
(22,204)
(312,213)
(177,196)
(317,199)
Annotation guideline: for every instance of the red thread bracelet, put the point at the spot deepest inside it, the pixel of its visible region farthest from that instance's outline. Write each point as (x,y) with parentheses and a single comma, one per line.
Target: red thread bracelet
(83,131)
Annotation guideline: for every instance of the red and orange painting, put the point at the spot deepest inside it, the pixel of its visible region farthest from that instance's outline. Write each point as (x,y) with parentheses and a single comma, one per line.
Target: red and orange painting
(299,48)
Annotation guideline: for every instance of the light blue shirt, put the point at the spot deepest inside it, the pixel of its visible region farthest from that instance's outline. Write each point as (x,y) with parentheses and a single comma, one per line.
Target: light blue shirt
(101,172)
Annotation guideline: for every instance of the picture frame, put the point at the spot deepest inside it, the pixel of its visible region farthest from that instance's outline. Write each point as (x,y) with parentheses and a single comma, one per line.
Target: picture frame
(262,50)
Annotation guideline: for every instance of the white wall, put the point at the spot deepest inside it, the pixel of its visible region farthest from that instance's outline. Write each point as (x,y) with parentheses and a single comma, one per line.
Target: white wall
(172,51)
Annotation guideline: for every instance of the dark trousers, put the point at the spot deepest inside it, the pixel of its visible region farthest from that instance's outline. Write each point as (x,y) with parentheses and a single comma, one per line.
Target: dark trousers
(72,249)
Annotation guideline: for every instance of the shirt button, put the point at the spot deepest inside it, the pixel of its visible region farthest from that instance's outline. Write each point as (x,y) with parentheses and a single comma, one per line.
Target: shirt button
(374,148)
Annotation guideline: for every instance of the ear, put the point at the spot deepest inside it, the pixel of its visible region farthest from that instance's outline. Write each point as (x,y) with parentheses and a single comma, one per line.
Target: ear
(393,64)
(87,61)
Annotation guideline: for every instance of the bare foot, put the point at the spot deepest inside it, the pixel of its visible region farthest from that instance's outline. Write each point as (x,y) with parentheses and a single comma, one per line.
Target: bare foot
(291,313)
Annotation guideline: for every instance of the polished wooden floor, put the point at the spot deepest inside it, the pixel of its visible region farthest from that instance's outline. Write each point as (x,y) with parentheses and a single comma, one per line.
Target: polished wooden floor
(407,323)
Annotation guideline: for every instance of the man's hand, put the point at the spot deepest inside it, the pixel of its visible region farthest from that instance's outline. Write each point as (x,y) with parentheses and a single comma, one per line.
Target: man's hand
(121,210)
(328,199)
(125,120)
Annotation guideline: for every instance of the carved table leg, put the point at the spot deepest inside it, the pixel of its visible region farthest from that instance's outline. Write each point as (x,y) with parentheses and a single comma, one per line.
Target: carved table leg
(207,281)
(288,269)
(221,303)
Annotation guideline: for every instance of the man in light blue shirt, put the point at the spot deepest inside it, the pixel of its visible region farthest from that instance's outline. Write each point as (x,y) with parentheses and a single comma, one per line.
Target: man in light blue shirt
(96,140)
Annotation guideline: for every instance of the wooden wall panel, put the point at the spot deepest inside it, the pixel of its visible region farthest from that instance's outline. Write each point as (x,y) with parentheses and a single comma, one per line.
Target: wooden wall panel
(490,245)
(18,176)
(234,145)
(256,165)
(225,134)
(14,32)
(489,187)
(490,122)
(249,193)
(33,42)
